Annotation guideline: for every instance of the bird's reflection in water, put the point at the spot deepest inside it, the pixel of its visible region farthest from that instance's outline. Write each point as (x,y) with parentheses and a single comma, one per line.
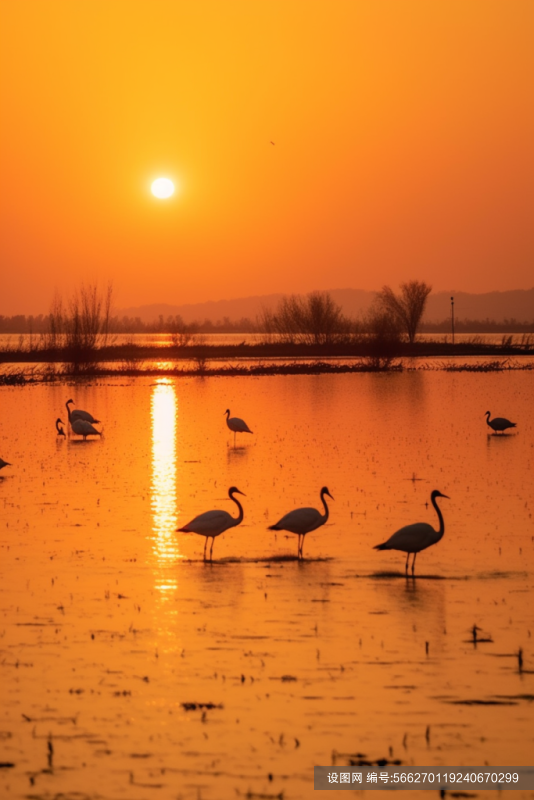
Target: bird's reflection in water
(236,453)
(417,612)
(163,482)
(498,437)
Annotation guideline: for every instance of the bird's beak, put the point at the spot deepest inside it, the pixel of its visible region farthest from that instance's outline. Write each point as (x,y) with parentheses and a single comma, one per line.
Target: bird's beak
(446,496)
(238,492)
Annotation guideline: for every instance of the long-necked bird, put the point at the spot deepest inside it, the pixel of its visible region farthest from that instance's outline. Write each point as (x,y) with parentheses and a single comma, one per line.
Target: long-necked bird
(302,521)
(236,425)
(416,537)
(77,413)
(212,523)
(499,424)
(84,428)
(59,429)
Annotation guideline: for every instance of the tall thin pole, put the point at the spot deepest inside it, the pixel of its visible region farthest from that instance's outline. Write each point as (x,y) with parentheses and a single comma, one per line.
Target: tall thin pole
(452,318)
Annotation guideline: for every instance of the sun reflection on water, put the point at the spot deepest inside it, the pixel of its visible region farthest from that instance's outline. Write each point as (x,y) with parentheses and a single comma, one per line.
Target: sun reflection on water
(163,484)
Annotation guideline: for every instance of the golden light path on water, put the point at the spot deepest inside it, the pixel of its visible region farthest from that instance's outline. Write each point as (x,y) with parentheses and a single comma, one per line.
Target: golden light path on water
(163,406)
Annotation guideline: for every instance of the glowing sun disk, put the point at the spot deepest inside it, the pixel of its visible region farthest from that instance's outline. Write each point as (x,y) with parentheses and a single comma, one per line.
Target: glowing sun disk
(162,188)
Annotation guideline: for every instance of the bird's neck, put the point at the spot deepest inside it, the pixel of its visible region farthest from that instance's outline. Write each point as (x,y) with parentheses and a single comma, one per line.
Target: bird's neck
(440,517)
(326,512)
(240,507)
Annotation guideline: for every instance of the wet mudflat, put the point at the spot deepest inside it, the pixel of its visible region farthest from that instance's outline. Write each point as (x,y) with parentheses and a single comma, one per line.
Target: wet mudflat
(131,669)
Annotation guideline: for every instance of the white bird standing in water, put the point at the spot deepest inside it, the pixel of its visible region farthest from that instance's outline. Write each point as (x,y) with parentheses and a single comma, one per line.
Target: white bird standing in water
(236,425)
(499,424)
(303,520)
(212,523)
(416,537)
(4,463)
(77,413)
(84,428)
(59,429)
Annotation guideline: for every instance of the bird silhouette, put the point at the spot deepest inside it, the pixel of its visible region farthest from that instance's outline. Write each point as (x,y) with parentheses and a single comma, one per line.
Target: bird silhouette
(236,425)
(416,537)
(84,428)
(60,431)
(212,523)
(77,413)
(4,463)
(499,424)
(302,521)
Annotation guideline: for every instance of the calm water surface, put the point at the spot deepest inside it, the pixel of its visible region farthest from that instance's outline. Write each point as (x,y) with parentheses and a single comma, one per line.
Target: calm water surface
(111,624)
(26,340)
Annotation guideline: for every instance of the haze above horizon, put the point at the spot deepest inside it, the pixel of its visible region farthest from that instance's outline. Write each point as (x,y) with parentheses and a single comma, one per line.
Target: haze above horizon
(311,146)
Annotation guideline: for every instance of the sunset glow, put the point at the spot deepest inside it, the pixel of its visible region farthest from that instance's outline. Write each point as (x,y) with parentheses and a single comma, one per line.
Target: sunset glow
(266,380)
(163,484)
(345,145)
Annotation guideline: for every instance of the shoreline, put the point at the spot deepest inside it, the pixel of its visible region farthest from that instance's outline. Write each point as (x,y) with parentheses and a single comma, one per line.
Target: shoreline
(275,350)
(18,368)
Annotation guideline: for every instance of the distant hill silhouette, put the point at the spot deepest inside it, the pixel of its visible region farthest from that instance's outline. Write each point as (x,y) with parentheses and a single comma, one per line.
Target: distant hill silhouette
(499,306)
(517,304)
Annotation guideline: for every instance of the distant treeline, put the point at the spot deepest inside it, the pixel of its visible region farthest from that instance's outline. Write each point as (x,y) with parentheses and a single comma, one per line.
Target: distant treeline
(478,326)
(20,323)
(41,324)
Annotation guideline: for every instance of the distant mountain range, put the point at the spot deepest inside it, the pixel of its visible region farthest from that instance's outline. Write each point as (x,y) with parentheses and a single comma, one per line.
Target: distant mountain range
(498,306)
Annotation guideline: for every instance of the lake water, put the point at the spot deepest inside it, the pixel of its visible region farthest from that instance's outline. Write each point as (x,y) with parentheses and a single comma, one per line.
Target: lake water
(14,341)
(132,669)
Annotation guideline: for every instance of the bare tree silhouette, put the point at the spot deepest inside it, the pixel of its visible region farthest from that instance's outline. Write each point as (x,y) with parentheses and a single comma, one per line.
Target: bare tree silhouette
(383,342)
(408,307)
(80,326)
(310,319)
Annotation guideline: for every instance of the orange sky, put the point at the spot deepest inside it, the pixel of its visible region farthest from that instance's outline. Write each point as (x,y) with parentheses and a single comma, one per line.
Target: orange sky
(403,146)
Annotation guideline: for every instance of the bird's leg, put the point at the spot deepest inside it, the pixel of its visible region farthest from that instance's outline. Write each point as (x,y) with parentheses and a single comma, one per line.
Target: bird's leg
(205,543)
(302,547)
(211,548)
(406,565)
(413,562)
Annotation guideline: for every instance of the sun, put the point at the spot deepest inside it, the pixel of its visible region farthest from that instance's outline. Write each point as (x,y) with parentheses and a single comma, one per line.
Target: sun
(162,188)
